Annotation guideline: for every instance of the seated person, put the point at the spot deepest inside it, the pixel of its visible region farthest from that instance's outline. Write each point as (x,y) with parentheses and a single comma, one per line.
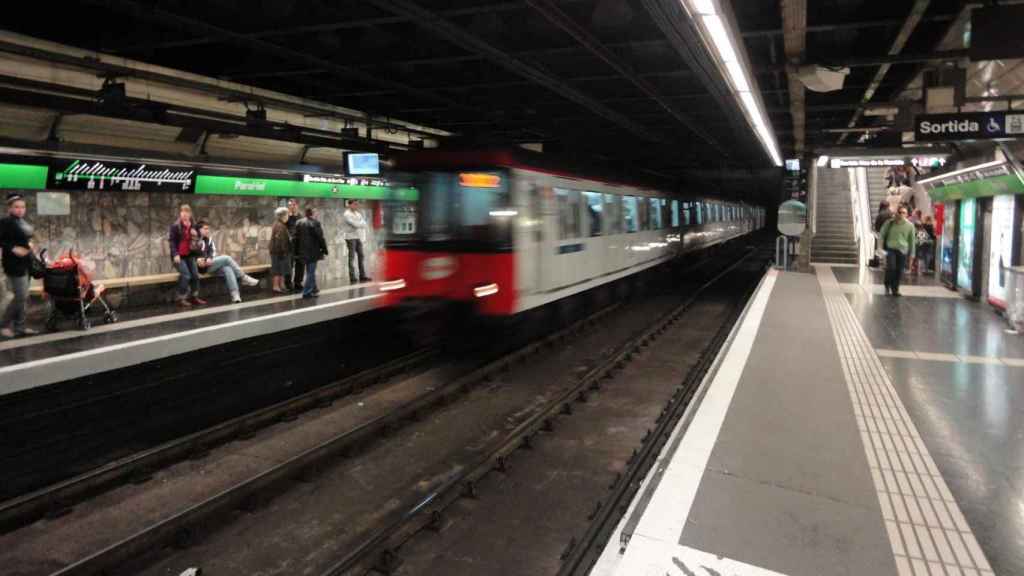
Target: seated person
(209,262)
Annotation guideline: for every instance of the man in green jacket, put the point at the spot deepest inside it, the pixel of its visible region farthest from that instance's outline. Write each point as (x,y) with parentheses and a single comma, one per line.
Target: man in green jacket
(899,236)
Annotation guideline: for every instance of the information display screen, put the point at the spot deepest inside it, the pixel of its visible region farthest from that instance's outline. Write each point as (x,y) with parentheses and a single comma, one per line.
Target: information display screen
(965,263)
(367,164)
(1001,248)
(948,256)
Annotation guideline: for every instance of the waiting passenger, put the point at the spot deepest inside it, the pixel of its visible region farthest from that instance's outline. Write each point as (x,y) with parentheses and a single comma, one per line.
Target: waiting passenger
(310,248)
(883,216)
(185,246)
(354,233)
(294,282)
(898,238)
(926,245)
(211,263)
(280,250)
(16,245)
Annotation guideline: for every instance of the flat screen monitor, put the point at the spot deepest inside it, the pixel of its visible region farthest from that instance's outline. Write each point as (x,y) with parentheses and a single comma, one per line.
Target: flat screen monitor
(362,164)
(793,164)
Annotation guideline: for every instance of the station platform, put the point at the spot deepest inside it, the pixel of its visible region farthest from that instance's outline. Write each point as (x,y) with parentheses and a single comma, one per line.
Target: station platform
(45,359)
(842,431)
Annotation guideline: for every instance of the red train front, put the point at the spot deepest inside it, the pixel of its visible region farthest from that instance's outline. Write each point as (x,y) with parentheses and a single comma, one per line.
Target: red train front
(455,243)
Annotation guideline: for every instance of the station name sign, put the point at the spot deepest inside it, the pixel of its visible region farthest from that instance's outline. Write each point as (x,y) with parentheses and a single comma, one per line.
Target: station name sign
(120,176)
(968,126)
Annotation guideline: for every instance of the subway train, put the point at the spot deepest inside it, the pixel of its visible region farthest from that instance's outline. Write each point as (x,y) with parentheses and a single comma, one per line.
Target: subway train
(501,233)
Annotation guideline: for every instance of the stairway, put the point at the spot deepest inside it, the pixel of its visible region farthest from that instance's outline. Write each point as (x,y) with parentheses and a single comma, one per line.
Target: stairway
(877,190)
(834,241)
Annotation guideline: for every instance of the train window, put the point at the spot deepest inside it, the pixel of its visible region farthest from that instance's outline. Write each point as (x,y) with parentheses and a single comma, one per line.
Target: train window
(655,213)
(568,213)
(403,218)
(698,213)
(643,214)
(595,212)
(613,213)
(675,213)
(629,213)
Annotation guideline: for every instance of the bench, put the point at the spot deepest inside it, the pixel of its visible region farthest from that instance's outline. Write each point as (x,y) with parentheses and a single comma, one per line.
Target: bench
(151,280)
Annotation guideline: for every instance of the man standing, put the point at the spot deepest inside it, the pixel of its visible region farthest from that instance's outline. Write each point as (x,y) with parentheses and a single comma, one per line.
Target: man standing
(294,282)
(310,247)
(15,241)
(899,236)
(354,232)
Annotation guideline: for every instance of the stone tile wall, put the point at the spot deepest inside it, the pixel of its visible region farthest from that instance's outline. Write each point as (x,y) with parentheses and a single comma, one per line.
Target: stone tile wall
(125,233)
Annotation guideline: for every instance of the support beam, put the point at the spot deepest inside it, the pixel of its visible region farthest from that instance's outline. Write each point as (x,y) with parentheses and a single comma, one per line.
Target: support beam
(445,29)
(794,26)
(556,16)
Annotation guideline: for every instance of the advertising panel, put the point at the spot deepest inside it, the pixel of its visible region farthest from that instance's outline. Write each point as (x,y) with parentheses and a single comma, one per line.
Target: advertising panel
(965,261)
(947,265)
(1001,249)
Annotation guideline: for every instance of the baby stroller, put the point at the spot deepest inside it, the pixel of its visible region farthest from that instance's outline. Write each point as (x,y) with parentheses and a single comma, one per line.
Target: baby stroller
(69,286)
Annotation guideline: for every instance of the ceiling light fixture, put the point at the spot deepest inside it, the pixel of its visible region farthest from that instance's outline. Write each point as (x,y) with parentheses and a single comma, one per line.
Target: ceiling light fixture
(721,42)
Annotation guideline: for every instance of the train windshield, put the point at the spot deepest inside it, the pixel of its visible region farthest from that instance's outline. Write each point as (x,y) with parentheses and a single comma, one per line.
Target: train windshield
(469,210)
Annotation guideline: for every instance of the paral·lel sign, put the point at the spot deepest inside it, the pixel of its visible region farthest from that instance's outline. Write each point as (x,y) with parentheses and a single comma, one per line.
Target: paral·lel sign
(968,126)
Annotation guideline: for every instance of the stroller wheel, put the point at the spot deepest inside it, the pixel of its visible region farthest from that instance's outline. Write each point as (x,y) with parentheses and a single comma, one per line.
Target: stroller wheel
(84,323)
(110,317)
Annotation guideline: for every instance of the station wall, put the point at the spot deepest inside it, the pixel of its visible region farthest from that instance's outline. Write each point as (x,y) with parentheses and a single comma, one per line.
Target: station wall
(125,233)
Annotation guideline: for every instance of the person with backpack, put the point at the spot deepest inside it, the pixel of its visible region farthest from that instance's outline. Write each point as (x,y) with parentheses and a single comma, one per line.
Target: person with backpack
(311,248)
(899,237)
(209,262)
(16,247)
(185,246)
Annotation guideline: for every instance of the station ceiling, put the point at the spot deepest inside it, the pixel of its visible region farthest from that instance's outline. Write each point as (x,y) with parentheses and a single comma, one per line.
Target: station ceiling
(607,78)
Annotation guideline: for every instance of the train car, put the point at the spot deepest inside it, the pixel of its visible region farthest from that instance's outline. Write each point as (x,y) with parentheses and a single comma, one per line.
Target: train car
(499,232)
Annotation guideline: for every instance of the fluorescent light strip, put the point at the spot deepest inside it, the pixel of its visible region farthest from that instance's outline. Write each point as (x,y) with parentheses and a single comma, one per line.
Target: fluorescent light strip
(706,11)
(961,171)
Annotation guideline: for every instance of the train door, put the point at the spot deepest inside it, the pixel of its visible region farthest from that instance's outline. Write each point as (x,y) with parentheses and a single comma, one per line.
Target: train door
(529,236)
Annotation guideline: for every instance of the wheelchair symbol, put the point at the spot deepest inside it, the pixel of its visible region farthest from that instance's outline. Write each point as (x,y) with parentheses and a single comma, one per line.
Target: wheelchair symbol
(993,126)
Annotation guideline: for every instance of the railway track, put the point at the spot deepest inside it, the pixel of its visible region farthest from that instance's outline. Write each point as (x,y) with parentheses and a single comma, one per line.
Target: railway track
(190,524)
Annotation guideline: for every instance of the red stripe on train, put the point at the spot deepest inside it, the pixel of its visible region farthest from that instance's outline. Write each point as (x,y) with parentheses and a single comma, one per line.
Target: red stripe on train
(488,279)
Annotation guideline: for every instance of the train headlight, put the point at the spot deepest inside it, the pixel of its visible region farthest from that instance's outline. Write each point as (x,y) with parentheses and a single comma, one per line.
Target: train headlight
(392,285)
(485,290)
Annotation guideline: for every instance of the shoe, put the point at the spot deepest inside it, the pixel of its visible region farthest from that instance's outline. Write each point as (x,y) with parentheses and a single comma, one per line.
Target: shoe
(316,292)
(25,332)
(197,301)
(250,281)
(896,293)
(7,333)
(308,296)
(365,279)
(183,303)
(297,288)
(236,298)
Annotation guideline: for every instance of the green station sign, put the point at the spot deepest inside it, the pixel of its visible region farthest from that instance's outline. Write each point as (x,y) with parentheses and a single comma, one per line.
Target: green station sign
(311,186)
(23,176)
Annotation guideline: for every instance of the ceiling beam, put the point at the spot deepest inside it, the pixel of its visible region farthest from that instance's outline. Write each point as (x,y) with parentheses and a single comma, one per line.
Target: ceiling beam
(139,11)
(214,37)
(444,28)
(913,19)
(556,16)
(846,26)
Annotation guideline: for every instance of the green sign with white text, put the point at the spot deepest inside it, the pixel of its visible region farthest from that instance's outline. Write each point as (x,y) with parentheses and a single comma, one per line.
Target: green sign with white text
(23,177)
(310,187)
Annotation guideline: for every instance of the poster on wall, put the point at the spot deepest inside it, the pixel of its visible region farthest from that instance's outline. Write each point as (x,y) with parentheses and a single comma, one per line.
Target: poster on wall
(965,262)
(1001,248)
(947,264)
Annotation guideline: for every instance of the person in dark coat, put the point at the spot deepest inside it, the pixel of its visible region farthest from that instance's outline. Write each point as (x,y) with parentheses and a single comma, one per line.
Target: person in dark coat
(294,282)
(15,250)
(311,248)
(883,216)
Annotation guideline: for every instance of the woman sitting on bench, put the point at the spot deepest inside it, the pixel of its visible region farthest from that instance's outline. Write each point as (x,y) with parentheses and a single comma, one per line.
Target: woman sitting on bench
(209,263)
